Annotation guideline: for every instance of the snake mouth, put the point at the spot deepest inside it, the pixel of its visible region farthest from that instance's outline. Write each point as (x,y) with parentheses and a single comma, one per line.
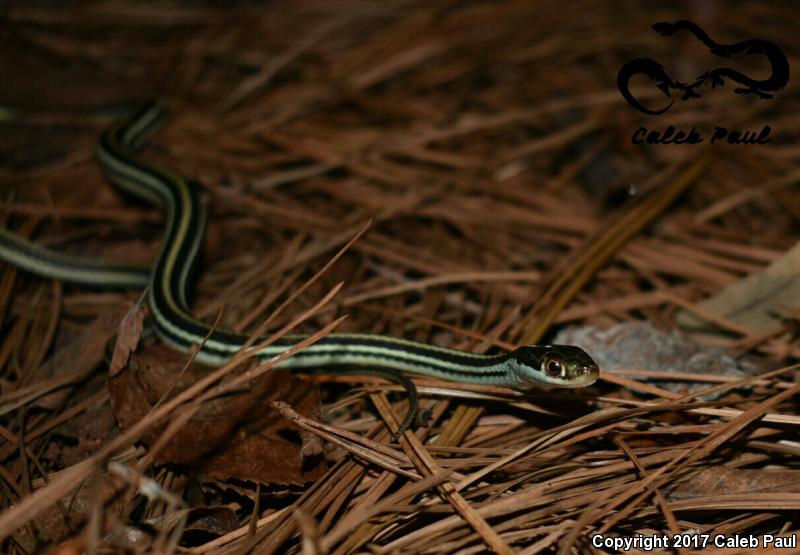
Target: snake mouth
(587,374)
(576,384)
(581,376)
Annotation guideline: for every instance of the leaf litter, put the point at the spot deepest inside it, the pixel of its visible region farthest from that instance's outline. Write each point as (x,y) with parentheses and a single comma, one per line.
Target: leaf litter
(491,151)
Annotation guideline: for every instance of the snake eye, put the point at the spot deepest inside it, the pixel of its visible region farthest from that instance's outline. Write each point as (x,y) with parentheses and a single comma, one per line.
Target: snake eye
(553,367)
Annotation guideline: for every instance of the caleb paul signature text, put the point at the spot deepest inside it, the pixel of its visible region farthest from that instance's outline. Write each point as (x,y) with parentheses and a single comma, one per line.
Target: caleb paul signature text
(673,136)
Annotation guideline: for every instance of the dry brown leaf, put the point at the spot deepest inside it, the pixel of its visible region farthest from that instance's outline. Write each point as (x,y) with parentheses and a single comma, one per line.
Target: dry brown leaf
(756,302)
(234,436)
(128,335)
(721,480)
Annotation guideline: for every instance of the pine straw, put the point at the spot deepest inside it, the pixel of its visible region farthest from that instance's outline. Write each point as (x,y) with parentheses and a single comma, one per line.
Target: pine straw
(490,150)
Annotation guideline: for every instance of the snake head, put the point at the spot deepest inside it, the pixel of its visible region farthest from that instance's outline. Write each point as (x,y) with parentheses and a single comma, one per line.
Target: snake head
(556,365)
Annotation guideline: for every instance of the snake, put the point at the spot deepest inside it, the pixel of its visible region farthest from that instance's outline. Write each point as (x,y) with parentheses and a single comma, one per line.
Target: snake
(118,153)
